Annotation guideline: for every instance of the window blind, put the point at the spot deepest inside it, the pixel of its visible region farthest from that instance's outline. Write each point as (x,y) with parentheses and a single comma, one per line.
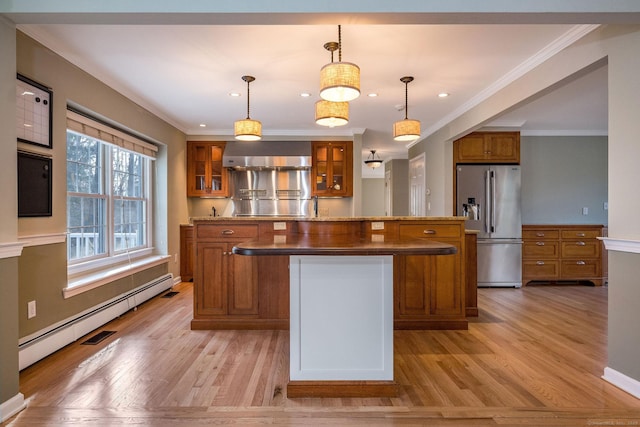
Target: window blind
(84,125)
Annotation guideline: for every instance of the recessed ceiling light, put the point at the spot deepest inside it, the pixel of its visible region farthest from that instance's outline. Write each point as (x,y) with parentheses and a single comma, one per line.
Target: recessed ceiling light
(202,125)
(372,95)
(234,94)
(443,95)
(305,94)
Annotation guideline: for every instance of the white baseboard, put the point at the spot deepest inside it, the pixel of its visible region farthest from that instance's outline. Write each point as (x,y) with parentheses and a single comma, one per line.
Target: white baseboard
(44,342)
(11,407)
(623,382)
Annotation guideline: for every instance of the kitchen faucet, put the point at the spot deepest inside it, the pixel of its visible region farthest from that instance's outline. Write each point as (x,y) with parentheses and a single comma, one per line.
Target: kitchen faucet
(315,206)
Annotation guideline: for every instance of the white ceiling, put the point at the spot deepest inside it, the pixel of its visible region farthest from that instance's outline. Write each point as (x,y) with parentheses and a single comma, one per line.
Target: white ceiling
(184,74)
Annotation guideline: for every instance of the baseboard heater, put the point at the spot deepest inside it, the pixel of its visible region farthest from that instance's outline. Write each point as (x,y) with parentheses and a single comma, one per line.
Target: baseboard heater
(47,341)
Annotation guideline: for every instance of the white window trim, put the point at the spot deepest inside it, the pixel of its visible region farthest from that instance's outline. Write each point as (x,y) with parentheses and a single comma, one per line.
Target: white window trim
(96,279)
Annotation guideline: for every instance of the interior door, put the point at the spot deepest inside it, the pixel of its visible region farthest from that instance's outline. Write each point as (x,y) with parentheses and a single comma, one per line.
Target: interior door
(417,186)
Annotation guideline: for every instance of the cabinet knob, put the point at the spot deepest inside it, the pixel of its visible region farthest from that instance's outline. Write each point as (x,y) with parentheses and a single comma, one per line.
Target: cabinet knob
(580,262)
(540,243)
(580,243)
(227,232)
(429,232)
(540,263)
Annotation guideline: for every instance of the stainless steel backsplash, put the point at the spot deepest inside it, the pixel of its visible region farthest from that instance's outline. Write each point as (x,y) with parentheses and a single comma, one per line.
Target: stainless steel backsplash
(271,192)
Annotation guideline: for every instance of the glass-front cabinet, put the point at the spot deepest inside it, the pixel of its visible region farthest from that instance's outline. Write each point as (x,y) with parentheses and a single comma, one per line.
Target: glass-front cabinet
(332,169)
(205,174)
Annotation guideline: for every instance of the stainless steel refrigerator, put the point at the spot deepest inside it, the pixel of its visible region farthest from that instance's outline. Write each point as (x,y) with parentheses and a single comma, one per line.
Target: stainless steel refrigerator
(489,196)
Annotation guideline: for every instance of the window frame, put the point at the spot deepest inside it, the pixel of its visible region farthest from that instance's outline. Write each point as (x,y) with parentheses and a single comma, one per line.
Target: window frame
(111,257)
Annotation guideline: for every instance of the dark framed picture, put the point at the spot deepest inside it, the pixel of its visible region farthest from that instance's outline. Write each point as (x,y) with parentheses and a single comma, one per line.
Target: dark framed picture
(33,112)
(34,185)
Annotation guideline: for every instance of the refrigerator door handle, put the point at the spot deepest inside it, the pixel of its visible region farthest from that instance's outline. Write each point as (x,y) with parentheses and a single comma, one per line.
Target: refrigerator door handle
(487,196)
(493,201)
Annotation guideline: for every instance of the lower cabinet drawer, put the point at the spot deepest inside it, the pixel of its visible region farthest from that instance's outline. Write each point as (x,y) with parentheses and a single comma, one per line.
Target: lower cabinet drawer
(541,269)
(430,230)
(580,268)
(581,249)
(540,249)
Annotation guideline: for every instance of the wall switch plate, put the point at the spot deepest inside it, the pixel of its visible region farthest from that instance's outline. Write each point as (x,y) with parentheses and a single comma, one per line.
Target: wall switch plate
(31,309)
(279,225)
(585,211)
(377,225)
(605,206)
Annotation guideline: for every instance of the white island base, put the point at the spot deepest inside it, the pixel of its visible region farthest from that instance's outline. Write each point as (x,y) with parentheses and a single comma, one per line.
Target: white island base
(341,326)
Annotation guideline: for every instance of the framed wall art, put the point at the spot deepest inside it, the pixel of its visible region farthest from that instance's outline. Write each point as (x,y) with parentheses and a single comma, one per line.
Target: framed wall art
(33,112)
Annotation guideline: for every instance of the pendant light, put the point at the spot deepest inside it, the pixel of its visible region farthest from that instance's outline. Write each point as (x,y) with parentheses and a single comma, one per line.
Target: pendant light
(248,129)
(339,81)
(407,129)
(373,161)
(330,113)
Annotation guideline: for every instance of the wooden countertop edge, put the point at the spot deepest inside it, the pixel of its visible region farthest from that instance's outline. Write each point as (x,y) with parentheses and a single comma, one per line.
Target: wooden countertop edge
(325,219)
(336,246)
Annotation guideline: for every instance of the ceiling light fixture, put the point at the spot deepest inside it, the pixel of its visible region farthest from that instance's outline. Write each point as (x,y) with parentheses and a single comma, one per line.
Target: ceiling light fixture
(248,129)
(329,113)
(339,81)
(373,161)
(407,129)
(332,114)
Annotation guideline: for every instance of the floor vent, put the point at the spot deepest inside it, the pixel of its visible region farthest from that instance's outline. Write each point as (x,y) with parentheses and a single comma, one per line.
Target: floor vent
(98,337)
(170,294)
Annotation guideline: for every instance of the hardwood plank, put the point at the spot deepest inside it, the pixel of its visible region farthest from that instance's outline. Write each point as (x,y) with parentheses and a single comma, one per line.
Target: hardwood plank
(533,356)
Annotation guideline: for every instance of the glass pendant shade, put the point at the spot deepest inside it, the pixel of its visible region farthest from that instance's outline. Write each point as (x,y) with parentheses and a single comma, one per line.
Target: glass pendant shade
(340,82)
(406,130)
(332,113)
(248,130)
(373,161)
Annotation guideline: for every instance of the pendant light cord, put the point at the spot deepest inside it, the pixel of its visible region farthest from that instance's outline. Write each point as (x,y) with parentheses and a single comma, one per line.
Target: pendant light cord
(248,95)
(339,44)
(406,100)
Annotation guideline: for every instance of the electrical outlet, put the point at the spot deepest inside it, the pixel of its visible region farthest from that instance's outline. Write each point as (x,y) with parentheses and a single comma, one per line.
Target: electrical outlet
(279,225)
(585,211)
(31,309)
(605,206)
(377,225)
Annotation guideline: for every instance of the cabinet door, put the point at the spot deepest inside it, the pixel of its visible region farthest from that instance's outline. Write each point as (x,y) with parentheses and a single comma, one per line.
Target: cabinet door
(471,148)
(242,284)
(446,298)
(412,275)
(186,253)
(211,286)
(205,174)
(503,147)
(332,169)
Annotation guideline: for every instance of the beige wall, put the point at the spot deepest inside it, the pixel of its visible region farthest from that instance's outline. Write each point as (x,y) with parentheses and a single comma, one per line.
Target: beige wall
(8,215)
(42,269)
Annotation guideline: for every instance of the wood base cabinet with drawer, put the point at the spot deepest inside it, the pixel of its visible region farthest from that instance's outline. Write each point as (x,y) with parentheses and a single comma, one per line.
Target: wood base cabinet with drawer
(429,292)
(562,253)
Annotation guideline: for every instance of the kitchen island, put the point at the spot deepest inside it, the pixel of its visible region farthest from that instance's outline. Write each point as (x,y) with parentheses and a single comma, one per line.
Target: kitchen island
(341,309)
(252,292)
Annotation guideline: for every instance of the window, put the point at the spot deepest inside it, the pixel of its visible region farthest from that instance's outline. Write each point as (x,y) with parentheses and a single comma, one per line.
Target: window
(108,195)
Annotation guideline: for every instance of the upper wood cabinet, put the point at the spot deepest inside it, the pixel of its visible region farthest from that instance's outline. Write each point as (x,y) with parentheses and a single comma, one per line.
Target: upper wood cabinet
(205,174)
(488,147)
(332,169)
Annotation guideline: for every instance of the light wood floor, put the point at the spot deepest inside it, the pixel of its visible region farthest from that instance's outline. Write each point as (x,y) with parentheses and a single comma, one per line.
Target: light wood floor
(533,357)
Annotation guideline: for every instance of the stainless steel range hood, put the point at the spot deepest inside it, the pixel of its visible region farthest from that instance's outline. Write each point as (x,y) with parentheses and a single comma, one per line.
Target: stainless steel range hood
(267,155)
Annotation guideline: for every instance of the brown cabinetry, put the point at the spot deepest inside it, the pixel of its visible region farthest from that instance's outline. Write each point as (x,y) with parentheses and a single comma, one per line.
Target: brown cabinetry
(488,147)
(332,169)
(225,285)
(205,175)
(429,291)
(186,253)
(553,253)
